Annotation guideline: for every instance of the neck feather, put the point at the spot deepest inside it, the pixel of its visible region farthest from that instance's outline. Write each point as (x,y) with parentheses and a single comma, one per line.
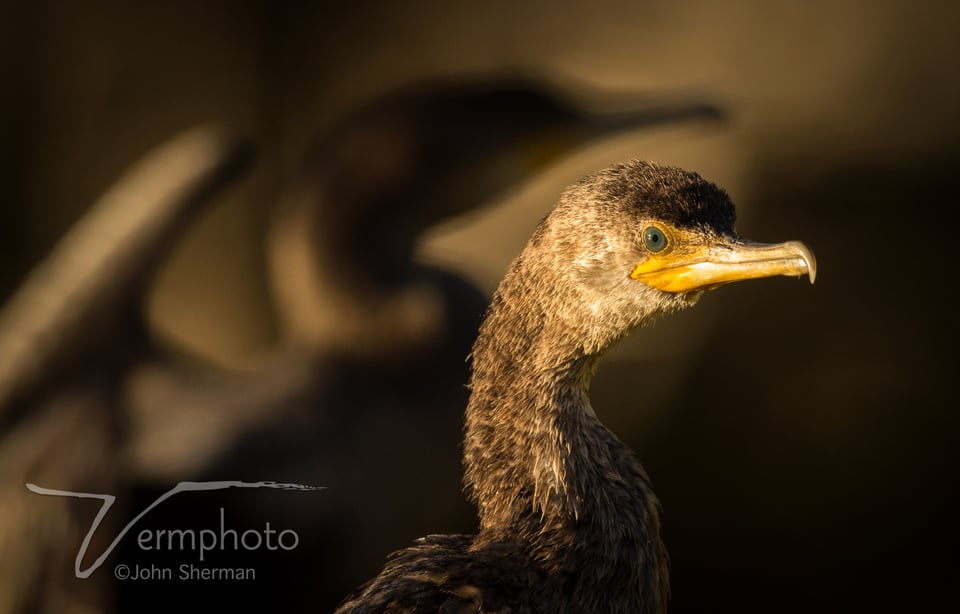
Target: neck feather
(534,447)
(543,470)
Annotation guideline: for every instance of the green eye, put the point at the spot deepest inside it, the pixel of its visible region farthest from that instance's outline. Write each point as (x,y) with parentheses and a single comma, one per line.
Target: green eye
(654,239)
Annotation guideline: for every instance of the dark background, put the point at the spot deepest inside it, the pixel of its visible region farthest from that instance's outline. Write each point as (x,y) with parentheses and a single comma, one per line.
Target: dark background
(803,440)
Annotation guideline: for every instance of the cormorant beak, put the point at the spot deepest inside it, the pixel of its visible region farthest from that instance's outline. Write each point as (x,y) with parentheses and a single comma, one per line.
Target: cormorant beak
(705,267)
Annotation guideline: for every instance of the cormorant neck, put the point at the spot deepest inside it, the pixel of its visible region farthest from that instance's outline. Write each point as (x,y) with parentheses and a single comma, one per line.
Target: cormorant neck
(543,470)
(534,448)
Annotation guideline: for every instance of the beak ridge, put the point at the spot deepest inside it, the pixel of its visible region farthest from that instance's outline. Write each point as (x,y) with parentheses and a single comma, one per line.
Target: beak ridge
(724,262)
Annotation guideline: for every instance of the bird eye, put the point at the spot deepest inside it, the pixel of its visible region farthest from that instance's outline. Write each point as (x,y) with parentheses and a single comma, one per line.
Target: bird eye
(654,239)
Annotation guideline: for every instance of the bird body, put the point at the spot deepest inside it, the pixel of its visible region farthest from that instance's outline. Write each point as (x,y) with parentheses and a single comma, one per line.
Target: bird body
(568,518)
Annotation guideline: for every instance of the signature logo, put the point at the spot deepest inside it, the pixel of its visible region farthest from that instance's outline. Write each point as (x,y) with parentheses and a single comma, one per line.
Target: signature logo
(205,544)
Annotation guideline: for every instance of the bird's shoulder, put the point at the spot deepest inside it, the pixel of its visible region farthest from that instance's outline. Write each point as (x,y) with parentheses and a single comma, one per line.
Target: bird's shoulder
(447,574)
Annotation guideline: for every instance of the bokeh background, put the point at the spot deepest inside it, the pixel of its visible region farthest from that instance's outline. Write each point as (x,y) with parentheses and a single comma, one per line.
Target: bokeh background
(803,440)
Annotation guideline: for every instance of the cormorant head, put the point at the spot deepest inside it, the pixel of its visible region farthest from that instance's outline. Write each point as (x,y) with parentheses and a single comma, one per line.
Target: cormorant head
(638,240)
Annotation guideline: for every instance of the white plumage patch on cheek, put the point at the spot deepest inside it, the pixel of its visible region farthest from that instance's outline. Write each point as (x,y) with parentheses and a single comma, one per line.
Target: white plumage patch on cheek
(598,263)
(593,259)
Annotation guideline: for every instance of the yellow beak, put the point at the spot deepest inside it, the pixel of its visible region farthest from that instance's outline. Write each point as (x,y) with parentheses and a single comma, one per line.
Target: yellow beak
(709,266)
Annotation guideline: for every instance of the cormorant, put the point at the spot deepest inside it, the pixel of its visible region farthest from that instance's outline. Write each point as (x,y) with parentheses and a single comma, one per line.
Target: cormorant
(568,519)
(402,163)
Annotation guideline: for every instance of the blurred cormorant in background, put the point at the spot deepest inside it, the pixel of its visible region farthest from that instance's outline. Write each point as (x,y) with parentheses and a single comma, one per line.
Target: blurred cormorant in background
(371,364)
